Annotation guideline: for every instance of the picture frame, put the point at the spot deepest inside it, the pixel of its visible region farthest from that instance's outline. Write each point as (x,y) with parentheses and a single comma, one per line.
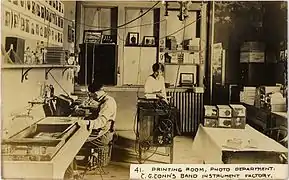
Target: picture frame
(149,41)
(187,79)
(92,36)
(132,39)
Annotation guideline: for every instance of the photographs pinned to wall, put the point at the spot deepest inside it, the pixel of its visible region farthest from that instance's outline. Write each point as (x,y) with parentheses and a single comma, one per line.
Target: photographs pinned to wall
(42,12)
(47,14)
(28,5)
(92,36)
(132,39)
(32,28)
(38,10)
(22,3)
(56,5)
(45,32)
(41,31)
(149,41)
(8,18)
(22,24)
(33,7)
(16,17)
(37,29)
(15,2)
(27,25)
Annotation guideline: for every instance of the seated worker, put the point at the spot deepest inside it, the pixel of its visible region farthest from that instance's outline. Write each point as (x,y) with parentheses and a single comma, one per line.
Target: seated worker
(155,83)
(100,121)
(103,112)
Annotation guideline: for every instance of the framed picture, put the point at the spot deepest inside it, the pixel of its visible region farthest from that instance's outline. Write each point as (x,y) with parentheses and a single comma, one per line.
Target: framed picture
(16,18)
(133,38)
(22,25)
(27,28)
(187,79)
(32,28)
(28,5)
(8,18)
(92,36)
(37,29)
(149,41)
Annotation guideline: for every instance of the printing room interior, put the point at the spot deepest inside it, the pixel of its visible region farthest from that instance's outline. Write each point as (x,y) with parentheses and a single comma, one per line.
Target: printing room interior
(91,87)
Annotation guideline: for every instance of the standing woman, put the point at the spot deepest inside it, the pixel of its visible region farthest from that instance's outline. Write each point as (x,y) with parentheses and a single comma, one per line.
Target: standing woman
(155,83)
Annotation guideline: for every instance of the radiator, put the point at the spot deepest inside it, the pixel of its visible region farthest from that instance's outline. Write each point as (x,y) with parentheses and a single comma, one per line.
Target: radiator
(190,106)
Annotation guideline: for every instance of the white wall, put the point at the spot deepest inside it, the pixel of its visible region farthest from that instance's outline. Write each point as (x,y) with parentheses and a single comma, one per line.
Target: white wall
(15,95)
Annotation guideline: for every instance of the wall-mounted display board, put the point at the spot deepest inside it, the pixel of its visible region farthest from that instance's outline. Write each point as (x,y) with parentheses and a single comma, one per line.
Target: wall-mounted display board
(36,20)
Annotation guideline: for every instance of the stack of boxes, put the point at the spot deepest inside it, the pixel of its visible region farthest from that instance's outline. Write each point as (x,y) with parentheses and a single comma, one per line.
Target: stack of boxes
(225,116)
(211,116)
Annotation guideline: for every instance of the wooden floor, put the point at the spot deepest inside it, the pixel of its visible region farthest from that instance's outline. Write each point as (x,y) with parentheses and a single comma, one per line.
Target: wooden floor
(120,171)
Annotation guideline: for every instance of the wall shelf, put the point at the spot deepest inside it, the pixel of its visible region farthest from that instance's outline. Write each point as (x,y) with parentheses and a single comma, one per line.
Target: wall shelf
(26,68)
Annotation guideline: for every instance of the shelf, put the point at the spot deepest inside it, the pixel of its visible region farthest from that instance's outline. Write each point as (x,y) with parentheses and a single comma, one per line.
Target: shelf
(182,64)
(26,68)
(176,51)
(21,66)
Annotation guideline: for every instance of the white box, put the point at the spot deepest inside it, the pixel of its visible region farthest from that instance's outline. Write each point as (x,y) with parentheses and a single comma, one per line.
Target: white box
(224,111)
(210,111)
(238,110)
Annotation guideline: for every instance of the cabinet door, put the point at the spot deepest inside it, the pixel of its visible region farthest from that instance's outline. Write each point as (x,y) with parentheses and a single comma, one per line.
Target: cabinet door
(147,59)
(131,65)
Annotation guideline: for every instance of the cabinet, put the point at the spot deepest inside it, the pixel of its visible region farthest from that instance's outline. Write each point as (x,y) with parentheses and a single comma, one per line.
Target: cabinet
(138,63)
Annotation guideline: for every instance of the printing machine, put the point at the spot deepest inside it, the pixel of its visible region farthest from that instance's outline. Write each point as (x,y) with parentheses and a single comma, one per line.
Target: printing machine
(39,147)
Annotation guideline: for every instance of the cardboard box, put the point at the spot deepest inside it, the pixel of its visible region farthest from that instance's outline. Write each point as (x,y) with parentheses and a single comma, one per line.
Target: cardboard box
(224,111)
(238,122)
(257,57)
(210,122)
(211,111)
(238,110)
(225,122)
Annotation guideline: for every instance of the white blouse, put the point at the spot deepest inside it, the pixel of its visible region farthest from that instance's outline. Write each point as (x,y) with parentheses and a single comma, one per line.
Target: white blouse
(154,85)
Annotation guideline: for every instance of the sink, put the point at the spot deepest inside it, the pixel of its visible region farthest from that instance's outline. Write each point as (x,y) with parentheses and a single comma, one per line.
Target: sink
(39,142)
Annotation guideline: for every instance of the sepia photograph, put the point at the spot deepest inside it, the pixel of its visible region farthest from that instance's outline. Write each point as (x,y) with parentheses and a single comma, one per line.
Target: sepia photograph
(119,90)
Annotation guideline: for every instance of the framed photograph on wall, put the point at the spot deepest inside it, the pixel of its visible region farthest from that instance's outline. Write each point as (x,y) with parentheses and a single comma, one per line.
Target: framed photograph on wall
(187,79)
(92,36)
(132,39)
(149,41)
